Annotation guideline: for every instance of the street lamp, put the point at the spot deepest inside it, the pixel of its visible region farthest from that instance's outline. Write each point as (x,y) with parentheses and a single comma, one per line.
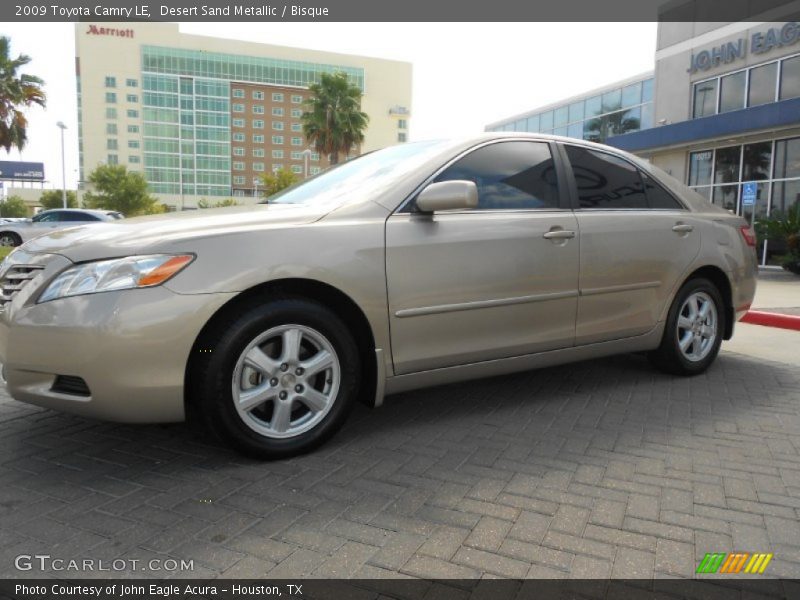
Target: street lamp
(62,127)
(255,187)
(306,156)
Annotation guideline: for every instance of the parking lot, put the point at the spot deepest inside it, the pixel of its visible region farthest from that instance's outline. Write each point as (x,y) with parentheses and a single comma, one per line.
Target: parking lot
(598,469)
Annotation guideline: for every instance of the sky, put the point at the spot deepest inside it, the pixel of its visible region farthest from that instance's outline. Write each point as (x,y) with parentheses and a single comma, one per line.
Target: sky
(465,75)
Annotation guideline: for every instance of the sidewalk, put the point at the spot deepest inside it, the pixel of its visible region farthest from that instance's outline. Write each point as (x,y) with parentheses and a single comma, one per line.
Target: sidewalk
(777,301)
(777,292)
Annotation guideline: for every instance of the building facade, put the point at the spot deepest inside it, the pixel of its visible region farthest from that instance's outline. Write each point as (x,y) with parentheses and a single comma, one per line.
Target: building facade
(204,117)
(725,114)
(622,107)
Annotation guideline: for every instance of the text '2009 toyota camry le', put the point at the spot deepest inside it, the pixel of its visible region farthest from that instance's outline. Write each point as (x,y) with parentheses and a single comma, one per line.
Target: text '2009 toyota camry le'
(412,266)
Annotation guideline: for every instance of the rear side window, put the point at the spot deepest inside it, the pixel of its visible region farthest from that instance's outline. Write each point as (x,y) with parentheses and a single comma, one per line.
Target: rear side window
(605,181)
(78,217)
(509,175)
(657,196)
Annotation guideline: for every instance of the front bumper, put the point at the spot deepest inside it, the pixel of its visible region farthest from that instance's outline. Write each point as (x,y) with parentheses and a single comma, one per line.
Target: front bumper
(131,347)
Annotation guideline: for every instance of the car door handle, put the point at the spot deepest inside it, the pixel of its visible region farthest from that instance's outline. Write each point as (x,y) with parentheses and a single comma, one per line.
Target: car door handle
(682,228)
(559,234)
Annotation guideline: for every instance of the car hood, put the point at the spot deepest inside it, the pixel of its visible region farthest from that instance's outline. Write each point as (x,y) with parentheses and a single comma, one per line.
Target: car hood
(141,235)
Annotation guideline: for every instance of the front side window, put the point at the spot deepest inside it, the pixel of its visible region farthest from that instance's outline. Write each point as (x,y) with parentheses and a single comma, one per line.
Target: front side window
(605,181)
(509,175)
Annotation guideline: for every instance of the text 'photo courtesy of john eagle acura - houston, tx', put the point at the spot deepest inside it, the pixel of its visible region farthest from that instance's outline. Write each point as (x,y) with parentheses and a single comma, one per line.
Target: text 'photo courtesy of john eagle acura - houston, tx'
(411,266)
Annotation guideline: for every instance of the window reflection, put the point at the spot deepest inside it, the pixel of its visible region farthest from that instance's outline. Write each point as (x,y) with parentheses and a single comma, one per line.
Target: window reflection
(731,92)
(726,164)
(790,78)
(762,84)
(705,98)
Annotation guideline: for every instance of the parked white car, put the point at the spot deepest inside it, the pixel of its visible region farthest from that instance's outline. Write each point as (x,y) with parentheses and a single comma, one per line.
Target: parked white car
(16,232)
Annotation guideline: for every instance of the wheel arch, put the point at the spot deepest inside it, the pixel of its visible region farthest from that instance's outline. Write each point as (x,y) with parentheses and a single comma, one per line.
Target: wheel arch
(333,298)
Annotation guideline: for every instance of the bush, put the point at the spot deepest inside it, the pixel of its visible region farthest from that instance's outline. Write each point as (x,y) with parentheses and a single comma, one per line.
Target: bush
(14,207)
(54,199)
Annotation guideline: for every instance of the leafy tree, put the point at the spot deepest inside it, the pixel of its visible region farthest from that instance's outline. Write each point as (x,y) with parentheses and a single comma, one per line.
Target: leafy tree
(334,122)
(14,207)
(17,92)
(203,203)
(120,190)
(54,199)
(278,180)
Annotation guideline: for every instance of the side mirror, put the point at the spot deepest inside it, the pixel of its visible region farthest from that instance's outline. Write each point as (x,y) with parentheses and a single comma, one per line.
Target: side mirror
(448,195)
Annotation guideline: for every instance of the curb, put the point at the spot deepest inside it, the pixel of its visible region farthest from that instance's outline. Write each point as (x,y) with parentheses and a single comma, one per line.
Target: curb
(769,319)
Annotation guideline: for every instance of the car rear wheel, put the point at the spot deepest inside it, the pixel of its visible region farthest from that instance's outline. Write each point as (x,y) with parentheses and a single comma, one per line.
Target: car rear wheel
(9,238)
(694,330)
(277,379)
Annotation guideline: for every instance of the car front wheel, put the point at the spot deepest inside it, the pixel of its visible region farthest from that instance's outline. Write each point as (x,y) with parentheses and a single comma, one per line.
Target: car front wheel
(277,379)
(694,329)
(10,239)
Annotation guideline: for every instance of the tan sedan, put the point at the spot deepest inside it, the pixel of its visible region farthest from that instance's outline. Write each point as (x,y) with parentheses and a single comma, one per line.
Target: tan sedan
(416,265)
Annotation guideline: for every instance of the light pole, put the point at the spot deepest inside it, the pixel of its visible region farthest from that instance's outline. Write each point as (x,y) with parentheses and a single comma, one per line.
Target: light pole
(306,156)
(255,187)
(62,127)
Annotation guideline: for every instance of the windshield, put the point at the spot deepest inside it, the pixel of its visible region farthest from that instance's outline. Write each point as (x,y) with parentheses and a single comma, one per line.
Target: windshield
(366,174)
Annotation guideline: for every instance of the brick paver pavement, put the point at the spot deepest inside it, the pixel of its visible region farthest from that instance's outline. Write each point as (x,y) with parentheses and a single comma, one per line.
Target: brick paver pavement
(598,469)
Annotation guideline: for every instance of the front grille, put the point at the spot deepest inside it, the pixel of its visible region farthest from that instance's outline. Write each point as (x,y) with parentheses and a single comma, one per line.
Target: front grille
(14,279)
(69,384)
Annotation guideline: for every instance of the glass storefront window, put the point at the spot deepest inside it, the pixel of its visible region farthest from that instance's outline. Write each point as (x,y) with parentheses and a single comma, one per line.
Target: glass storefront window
(731,91)
(700,167)
(762,84)
(594,106)
(576,112)
(560,131)
(575,130)
(612,100)
(787,158)
(725,196)
(790,78)
(755,161)
(647,116)
(546,121)
(631,120)
(631,95)
(785,194)
(647,90)
(533,123)
(560,116)
(705,98)
(726,164)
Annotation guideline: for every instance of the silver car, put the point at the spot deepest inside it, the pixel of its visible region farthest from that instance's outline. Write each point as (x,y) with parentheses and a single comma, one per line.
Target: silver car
(19,231)
(412,266)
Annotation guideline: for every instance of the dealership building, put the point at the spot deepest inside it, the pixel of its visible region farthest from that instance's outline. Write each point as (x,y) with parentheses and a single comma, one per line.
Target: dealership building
(204,117)
(720,111)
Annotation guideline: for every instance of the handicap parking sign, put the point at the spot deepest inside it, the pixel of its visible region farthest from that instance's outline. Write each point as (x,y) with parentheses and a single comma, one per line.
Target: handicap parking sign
(749,191)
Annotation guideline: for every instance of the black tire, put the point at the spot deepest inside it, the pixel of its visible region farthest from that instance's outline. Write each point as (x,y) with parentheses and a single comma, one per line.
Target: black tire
(211,374)
(10,236)
(669,357)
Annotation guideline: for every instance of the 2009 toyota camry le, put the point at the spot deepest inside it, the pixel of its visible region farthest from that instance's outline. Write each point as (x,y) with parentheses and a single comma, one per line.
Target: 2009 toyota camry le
(412,266)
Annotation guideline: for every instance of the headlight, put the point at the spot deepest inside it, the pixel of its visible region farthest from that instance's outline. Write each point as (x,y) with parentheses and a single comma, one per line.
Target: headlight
(116,274)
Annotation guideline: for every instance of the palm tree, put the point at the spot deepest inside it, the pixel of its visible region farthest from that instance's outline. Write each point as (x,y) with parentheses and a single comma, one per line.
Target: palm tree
(16,92)
(334,122)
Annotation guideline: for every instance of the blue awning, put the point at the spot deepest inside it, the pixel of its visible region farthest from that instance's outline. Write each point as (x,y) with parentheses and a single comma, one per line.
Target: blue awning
(767,116)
